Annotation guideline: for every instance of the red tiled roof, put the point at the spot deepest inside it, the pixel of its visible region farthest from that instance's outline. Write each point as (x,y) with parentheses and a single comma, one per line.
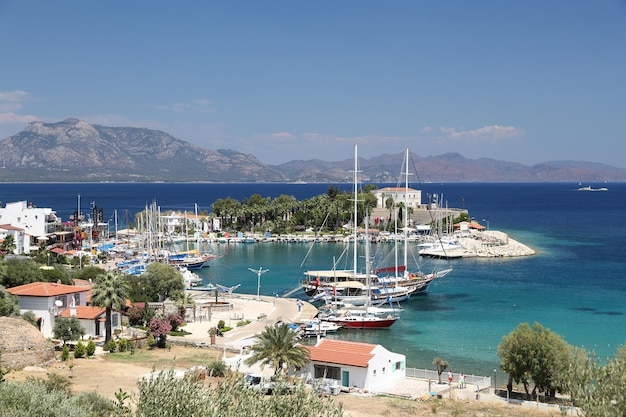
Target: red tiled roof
(84,312)
(9,227)
(341,352)
(57,250)
(472,225)
(45,289)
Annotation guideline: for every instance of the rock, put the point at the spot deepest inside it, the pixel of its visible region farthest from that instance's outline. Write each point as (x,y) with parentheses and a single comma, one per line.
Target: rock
(23,345)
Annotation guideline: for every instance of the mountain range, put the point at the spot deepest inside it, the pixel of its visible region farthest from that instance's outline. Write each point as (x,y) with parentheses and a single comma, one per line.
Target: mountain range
(76,151)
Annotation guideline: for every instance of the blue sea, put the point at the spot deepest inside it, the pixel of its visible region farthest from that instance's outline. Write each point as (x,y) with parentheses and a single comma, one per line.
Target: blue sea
(575,285)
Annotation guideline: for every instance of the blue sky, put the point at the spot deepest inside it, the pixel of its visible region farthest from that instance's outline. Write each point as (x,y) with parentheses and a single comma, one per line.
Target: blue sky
(523,81)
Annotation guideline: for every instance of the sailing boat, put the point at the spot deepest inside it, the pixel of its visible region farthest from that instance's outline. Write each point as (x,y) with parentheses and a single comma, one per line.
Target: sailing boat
(190,259)
(367,317)
(350,286)
(417,281)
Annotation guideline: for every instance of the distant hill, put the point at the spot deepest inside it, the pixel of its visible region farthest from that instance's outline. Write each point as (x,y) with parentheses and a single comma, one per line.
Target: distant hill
(73,150)
(76,151)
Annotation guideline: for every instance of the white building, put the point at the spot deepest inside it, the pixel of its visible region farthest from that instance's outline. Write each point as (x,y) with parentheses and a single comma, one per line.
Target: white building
(175,221)
(18,237)
(49,300)
(38,223)
(361,365)
(397,195)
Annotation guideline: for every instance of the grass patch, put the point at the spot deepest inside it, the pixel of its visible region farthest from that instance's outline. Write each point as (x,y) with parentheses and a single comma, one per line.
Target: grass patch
(179,333)
(164,358)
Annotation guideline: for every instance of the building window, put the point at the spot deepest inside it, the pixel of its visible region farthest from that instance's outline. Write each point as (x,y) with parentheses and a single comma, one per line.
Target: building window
(114,320)
(63,300)
(398,365)
(330,372)
(383,370)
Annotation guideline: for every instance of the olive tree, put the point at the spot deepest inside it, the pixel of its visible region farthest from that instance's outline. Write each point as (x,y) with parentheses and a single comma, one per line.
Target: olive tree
(48,398)
(598,390)
(67,329)
(19,272)
(162,281)
(9,304)
(164,395)
(537,354)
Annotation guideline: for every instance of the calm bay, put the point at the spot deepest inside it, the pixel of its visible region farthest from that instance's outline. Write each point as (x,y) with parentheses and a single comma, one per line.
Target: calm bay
(575,285)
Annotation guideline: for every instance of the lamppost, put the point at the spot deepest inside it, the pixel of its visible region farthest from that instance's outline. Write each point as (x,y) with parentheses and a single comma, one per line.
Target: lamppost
(485,220)
(495,382)
(259,272)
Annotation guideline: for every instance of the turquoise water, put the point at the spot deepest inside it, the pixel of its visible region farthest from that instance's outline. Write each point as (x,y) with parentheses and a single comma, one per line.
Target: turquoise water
(575,285)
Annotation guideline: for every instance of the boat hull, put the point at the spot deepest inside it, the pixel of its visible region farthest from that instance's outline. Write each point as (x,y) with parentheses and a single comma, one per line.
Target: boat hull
(358,323)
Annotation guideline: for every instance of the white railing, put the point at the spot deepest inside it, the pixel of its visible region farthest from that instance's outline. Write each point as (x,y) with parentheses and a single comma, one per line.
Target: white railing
(480,381)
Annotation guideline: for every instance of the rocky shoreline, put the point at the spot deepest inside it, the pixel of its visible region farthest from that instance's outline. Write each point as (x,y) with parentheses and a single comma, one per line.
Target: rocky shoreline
(493,243)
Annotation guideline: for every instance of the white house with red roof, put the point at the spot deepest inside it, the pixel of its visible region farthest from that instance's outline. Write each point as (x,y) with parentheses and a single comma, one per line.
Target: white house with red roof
(352,364)
(48,300)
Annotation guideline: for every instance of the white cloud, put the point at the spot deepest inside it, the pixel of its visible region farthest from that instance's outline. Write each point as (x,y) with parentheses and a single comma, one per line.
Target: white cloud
(10,104)
(200,105)
(12,118)
(283,135)
(13,96)
(490,133)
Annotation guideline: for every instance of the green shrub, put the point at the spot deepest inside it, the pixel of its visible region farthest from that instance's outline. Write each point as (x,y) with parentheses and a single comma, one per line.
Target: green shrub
(151,340)
(221,324)
(80,350)
(42,398)
(65,353)
(216,368)
(91,348)
(30,317)
(110,346)
(122,345)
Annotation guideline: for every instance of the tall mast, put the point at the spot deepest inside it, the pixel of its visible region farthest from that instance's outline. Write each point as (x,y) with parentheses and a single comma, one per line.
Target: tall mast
(356,179)
(406,213)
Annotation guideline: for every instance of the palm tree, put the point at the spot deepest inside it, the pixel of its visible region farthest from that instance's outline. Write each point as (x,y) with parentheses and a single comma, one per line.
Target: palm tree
(441,365)
(276,346)
(183,300)
(110,291)
(8,244)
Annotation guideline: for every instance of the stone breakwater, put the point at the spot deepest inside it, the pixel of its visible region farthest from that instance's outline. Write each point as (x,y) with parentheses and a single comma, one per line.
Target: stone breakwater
(489,244)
